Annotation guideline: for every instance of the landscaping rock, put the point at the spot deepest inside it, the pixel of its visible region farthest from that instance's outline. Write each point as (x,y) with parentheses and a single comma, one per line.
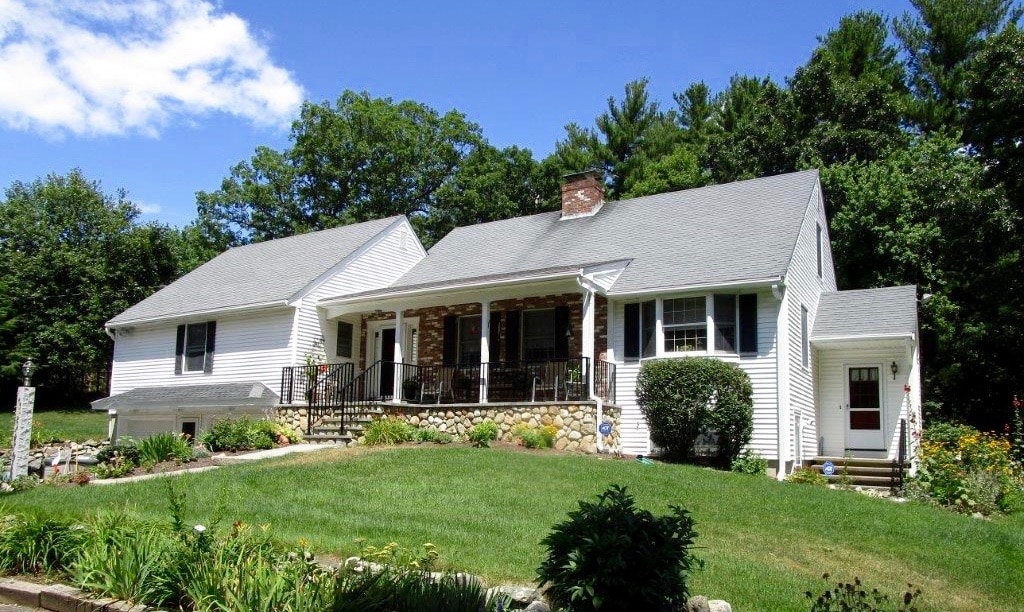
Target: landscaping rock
(698,603)
(538,606)
(718,605)
(521,595)
(87,460)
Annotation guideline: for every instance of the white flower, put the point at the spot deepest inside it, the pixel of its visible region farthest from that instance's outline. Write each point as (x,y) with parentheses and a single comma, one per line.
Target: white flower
(200,529)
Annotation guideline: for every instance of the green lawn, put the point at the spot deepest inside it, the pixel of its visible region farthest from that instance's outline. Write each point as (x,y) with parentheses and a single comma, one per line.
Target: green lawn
(77,425)
(764,542)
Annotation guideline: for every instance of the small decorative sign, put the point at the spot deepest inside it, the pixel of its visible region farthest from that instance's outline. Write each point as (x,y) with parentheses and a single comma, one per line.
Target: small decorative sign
(828,468)
(605,428)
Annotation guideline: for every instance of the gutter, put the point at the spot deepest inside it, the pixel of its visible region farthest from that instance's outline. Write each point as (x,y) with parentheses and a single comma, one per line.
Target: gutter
(198,313)
(753,282)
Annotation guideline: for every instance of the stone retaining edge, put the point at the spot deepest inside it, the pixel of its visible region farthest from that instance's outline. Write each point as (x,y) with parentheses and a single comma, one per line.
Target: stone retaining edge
(60,598)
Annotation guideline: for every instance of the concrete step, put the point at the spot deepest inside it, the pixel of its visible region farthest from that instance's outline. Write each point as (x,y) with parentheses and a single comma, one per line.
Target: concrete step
(876,481)
(857,470)
(854,461)
(328,438)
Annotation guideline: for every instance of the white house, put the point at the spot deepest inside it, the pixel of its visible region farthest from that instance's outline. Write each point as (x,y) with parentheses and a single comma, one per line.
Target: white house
(216,341)
(551,316)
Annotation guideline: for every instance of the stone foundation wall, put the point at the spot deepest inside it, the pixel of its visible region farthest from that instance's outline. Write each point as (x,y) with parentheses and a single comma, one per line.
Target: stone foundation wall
(576,421)
(293,417)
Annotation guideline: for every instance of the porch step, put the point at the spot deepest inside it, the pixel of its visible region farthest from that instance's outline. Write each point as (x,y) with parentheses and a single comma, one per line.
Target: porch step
(864,472)
(329,438)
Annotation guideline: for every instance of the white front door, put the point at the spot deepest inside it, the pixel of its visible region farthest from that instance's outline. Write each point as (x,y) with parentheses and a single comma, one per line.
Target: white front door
(864,409)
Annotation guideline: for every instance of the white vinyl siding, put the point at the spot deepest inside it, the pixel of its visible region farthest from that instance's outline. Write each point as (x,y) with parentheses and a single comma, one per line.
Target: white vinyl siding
(760,367)
(803,290)
(377,265)
(832,362)
(252,347)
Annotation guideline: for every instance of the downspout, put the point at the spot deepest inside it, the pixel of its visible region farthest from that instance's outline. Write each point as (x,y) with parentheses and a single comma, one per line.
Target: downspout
(598,402)
(781,379)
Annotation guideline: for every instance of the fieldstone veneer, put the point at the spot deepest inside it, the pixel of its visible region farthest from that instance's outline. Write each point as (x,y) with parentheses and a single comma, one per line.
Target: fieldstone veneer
(576,421)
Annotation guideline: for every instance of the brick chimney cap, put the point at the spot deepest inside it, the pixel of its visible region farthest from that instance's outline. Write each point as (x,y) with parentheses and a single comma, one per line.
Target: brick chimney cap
(590,172)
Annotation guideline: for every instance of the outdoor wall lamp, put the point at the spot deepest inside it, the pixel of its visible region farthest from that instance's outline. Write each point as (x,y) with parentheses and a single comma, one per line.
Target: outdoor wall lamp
(894,368)
(26,371)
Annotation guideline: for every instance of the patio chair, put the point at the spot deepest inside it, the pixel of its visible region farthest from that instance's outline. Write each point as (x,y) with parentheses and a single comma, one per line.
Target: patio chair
(546,380)
(437,389)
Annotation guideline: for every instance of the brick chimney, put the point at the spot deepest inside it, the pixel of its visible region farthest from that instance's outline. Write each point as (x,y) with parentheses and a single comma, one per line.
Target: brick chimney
(582,194)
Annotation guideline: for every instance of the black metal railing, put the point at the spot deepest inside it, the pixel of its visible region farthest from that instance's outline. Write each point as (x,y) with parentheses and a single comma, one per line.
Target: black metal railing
(507,381)
(374,384)
(314,384)
(604,380)
(900,466)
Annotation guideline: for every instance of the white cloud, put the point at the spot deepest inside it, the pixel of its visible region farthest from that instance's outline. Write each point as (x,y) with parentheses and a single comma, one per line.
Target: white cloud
(97,67)
(148,209)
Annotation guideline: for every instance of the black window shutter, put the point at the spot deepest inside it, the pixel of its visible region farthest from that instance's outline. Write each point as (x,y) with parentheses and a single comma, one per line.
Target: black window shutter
(179,349)
(512,322)
(561,332)
(648,324)
(631,332)
(343,346)
(451,340)
(211,345)
(748,323)
(494,337)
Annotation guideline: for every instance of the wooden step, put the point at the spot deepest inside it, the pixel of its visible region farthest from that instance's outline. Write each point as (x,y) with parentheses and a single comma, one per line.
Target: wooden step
(854,461)
(857,470)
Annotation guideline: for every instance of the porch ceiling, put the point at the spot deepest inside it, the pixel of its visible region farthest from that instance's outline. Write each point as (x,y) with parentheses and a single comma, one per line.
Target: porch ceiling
(447,296)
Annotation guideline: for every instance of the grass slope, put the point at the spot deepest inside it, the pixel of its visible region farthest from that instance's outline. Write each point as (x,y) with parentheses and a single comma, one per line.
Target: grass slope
(75,425)
(764,542)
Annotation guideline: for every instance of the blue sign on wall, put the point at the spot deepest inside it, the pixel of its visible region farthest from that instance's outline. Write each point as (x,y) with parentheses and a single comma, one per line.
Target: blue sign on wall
(828,468)
(605,428)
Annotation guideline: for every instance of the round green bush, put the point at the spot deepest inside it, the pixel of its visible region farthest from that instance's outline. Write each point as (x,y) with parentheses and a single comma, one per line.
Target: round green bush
(685,398)
(612,556)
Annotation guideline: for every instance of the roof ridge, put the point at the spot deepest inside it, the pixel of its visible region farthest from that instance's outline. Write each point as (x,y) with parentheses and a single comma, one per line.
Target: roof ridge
(345,226)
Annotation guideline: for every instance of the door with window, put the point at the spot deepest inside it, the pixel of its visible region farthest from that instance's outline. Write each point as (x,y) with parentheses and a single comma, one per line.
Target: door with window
(864,409)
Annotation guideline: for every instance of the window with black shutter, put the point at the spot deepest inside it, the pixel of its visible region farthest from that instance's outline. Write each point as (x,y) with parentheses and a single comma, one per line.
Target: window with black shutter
(725,323)
(631,332)
(194,347)
(648,325)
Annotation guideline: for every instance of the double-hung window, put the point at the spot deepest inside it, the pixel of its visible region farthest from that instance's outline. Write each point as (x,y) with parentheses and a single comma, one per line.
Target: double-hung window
(194,347)
(685,324)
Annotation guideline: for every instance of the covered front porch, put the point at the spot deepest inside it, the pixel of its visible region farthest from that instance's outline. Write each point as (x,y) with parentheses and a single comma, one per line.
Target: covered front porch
(528,343)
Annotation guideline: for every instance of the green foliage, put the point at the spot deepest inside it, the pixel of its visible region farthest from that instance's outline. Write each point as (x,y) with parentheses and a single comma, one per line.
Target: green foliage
(610,555)
(88,248)
(388,430)
(35,544)
(24,483)
(854,597)
(431,434)
(806,475)
(165,447)
(126,448)
(685,398)
(1017,433)
(483,433)
(115,467)
(750,463)
(535,437)
(966,470)
(244,434)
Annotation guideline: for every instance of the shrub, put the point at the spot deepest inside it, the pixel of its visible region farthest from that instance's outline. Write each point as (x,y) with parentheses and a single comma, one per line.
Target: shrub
(854,597)
(244,434)
(806,475)
(483,433)
(590,566)
(388,430)
(33,544)
(750,463)
(165,447)
(126,449)
(116,467)
(685,398)
(430,434)
(536,437)
(965,470)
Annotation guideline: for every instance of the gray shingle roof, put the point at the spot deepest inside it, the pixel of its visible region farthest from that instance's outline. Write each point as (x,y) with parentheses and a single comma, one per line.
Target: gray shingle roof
(256,273)
(736,231)
(866,312)
(235,394)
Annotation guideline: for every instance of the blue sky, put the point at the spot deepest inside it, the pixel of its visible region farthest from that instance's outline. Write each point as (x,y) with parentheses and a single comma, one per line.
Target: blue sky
(162,97)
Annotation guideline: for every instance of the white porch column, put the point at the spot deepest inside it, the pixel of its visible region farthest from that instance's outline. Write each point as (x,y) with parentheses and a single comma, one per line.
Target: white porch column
(485,347)
(589,301)
(399,358)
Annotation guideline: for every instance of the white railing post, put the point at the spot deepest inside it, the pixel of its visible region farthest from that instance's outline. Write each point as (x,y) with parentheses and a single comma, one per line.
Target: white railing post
(399,334)
(485,347)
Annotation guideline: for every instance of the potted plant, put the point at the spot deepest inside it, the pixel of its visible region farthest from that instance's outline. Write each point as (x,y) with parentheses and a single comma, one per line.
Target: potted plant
(411,389)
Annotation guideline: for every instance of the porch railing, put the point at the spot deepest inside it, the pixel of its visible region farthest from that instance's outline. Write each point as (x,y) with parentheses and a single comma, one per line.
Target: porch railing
(314,384)
(604,380)
(900,466)
(507,381)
